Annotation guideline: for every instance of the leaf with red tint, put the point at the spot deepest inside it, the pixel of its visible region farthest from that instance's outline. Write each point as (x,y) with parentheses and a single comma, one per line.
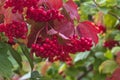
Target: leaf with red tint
(56,4)
(88,29)
(71,9)
(1,18)
(1,6)
(118,57)
(64,27)
(36,28)
(115,75)
(9,16)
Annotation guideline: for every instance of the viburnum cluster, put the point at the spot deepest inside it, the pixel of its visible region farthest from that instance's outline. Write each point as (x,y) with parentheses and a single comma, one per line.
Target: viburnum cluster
(34,11)
(111,43)
(54,18)
(51,48)
(19,5)
(42,15)
(14,30)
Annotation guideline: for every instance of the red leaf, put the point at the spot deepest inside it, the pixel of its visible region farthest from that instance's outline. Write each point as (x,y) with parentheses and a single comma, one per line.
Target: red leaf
(9,16)
(88,29)
(36,28)
(115,75)
(1,18)
(56,4)
(71,8)
(64,27)
(1,6)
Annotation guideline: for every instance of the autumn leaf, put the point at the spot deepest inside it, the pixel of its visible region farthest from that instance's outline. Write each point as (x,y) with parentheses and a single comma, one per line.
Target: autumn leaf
(71,9)
(88,29)
(9,16)
(64,27)
(35,28)
(56,4)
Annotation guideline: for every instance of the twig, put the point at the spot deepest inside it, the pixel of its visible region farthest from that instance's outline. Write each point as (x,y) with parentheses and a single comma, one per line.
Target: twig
(114,15)
(117,7)
(96,3)
(90,68)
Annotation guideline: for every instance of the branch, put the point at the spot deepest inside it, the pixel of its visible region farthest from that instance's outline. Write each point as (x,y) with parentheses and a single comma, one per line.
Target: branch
(114,15)
(117,7)
(90,68)
(96,3)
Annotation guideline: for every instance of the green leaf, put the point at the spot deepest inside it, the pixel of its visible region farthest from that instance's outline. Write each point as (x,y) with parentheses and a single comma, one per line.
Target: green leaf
(3,48)
(108,54)
(99,76)
(115,50)
(88,8)
(104,9)
(5,64)
(111,3)
(16,56)
(108,66)
(107,3)
(109,21)
(81,56)
(117,37)
(35,75)
(27,54)
(62,67)
(99,55)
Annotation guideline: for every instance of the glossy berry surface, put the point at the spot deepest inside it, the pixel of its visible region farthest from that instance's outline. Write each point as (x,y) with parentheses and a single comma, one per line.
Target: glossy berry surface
(53,50)
(42,15)
(19,5)
(110,44)
(16,30)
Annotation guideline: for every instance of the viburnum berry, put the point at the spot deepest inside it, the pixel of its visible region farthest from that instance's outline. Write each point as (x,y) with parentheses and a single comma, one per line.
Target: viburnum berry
(110,44)
(101,28)
(42,15)
(52,49)
(16,30)
(2,27)
(79,45)
(19,5)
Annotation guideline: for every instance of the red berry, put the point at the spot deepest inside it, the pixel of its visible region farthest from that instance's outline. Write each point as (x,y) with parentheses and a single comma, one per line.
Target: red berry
(110,44)
(2,27)
(19,5)
(51,48)
(16,30)
(42,15)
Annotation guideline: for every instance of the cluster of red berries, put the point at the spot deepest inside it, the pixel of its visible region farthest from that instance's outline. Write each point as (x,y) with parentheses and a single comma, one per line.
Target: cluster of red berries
(79,45)
(19,5)
(35,12)
(42,15)
(53,50)
(14,30)
(110,44)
